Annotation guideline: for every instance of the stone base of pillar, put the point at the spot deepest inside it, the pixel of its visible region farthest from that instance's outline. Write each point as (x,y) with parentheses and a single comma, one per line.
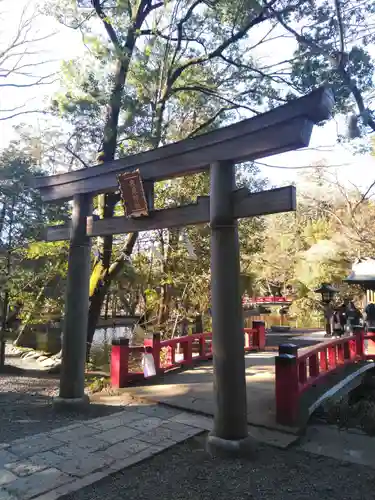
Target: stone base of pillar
(71,404)
(218,447)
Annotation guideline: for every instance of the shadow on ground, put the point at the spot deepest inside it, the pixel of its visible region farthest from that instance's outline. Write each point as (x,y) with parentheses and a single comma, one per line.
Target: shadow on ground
(26,406)
(192,390)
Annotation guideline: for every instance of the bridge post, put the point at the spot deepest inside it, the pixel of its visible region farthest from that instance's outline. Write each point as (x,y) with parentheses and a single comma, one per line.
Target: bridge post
(370,341)
(360,341)
(260,326)
(156,351)
(119,362)
(286,385)
(288,349)
(72,380)
(154,343)
(230,419)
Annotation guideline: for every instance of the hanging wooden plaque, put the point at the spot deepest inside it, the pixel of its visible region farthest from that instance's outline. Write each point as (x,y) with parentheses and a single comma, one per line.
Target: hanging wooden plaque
(132,194)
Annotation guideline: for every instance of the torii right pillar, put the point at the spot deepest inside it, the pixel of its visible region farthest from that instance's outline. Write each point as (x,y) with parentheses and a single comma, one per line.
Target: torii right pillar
(230,420)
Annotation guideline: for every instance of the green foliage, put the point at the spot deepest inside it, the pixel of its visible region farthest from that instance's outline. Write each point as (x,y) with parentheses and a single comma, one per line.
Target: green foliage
(311,71)
(318,59)
(28,266)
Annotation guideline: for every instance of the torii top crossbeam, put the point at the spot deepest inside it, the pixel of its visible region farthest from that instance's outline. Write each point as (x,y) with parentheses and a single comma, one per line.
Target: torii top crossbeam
(284,128)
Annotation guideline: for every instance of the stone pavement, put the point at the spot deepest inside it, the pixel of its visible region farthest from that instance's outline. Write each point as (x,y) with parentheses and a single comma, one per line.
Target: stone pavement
(64,461)
(192,390)
(349,445)
(50,465)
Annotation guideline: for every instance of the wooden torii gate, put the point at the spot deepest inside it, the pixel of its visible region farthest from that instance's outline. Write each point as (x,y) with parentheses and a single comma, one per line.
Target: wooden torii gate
(284,128)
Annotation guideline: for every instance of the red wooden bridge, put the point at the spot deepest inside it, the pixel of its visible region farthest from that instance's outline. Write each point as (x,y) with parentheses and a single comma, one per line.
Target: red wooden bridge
(174,353)
(283,389)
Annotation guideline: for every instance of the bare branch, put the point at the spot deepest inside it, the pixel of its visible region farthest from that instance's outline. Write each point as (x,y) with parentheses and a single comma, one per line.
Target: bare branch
(153,32)
(212,93)
(176,73)
(78,26)
(273,77)
(211,120)
(180,27)
(364,195)
(14,68)
(301,167)
(26,112)
(40,81)
(76,156)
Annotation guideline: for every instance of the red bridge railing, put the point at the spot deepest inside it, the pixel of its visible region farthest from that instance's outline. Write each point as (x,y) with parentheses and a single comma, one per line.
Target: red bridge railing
(173,353)
(296,372)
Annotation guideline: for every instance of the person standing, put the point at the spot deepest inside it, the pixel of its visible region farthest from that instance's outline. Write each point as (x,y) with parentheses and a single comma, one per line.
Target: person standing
(343,314)
(370,315)
(338,326)
(198,321)
(354,316)
(328,316)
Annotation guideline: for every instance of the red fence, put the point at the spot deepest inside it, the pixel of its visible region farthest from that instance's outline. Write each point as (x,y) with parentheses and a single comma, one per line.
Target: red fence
(173,353)
(296,373)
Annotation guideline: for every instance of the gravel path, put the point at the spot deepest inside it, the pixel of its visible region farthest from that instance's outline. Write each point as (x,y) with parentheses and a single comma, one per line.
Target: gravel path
(26,404)
(187,472)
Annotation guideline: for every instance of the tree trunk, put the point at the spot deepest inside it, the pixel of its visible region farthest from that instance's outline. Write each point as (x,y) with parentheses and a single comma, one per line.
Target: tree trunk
(2,217)
(102,280)
(23,330)
(168,268)
(99,294)
(109,272)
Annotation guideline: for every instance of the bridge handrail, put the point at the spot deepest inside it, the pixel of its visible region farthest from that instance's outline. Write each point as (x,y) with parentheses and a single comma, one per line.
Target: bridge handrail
(195,348)
(325,357)
(296,372)
(201,341)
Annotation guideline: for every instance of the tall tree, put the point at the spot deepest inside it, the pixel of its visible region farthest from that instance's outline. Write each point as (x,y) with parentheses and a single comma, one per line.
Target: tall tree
(168,71)
(187,75)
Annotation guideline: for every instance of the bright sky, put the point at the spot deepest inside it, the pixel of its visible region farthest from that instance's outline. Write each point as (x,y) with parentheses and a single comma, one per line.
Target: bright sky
(66,44)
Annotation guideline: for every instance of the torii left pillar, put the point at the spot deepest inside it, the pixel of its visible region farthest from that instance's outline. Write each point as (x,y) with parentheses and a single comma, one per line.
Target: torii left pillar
(72,380)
